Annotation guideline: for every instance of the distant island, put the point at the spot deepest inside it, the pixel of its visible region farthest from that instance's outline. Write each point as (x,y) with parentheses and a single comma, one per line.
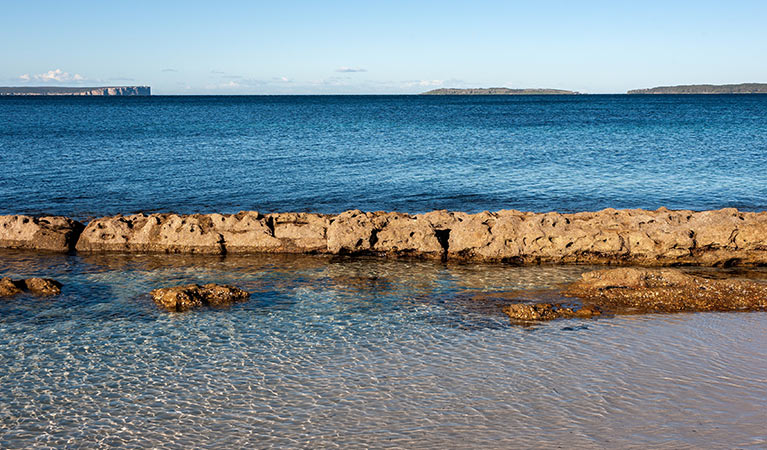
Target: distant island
(104,91)
(498,91)
(743,88)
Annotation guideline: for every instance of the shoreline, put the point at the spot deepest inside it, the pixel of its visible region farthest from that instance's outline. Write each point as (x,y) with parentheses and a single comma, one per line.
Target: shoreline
(720,238)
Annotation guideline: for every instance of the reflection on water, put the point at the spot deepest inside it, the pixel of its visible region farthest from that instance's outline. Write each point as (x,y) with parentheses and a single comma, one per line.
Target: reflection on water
(360,352)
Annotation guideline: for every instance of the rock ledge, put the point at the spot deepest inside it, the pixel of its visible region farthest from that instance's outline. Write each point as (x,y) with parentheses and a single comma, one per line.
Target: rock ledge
(640,291)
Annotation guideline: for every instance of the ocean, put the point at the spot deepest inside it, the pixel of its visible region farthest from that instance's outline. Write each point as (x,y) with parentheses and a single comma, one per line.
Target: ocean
(369,352)
(87,157)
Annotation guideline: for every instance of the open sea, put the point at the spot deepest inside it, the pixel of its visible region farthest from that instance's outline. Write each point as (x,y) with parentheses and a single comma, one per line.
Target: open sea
(365,352)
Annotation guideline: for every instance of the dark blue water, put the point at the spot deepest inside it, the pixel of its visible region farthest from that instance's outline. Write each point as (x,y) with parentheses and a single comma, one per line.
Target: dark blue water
(96,156)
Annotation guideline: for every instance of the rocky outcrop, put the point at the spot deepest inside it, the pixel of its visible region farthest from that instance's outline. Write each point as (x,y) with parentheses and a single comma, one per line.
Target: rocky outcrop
(37,286)
(642,290)
(57,234)
(637,237)
(723,237)
(536,312)
(183,298)
(633,290)
(245,232)
(356,232)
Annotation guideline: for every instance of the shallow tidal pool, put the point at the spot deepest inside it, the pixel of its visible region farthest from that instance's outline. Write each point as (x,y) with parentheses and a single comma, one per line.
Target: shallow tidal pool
(354,353)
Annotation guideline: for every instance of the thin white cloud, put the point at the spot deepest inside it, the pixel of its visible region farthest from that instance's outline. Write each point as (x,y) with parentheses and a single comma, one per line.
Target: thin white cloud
(425,83)
(224,86)
(169,70)
(350,70)
(53,76)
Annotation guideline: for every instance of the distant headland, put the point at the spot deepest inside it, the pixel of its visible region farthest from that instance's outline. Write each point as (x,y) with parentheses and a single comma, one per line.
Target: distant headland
(743,88)
(105,91)
(498,91)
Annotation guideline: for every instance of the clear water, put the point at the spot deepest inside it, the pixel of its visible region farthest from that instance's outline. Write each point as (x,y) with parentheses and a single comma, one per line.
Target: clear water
(361,353)
(358,353)
(97,156)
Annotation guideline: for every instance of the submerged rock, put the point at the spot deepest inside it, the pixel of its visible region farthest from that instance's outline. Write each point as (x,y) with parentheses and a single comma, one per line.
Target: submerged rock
(37,286)
(183,298)
(8,287)
(527,312)
(57,234)
(641,290)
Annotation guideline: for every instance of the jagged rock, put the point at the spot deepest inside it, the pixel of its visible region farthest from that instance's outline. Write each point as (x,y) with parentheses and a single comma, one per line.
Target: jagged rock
(654,238)
(641,290)
(8,287)
(300,232)
(183,298)
(529,312)
(637,237)
(57,234)
(43,286)
(633,290)
(37,286)
(168,233)
(381,232)
(353,232)
(244,232)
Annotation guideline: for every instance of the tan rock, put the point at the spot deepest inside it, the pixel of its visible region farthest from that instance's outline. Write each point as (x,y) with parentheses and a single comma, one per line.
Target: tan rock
(403,234)
(611,236)
(634,290)
(43,286)
(9,288)
(169,233)
(637,237)
(244,232)
(352,232)
(57,234)
(301,232)
(535,312)
(183,298)
(37,286)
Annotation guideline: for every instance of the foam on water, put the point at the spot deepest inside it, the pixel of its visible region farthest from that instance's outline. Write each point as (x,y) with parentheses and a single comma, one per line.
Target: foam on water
(360,353)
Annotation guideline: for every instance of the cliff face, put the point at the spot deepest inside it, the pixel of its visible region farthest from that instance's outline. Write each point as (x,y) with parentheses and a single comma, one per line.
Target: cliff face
(88,91)
(744,88)
(498,91)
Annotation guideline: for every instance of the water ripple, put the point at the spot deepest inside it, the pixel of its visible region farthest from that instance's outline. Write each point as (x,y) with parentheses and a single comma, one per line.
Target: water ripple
(360,353)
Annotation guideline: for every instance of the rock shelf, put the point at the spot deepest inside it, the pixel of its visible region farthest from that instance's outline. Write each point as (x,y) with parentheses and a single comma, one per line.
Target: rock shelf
(634,290)
(725,237)
(56,234)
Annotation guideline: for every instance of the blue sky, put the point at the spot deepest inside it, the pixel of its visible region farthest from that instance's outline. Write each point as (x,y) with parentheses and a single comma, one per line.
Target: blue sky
(297,47)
